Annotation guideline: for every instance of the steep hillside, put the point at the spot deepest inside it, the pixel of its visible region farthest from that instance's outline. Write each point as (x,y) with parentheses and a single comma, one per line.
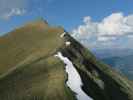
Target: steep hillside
(28,68)
(101,82)
(30,71)
(33,39)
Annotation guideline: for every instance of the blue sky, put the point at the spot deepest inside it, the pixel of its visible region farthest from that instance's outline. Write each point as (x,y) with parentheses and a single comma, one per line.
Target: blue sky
(67,13)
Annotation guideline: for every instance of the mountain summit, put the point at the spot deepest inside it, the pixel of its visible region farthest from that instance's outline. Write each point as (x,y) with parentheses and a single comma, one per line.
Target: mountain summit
(29,69)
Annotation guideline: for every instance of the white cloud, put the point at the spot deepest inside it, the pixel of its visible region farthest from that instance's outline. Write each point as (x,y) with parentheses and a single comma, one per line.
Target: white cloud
(130,36)
(115,25)
(111,29)
(13,12)
(102,38)
(9,8)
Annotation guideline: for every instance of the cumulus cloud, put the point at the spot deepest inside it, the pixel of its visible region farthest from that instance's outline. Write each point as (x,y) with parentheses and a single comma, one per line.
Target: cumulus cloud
(111,29)
(115,25)
(13,12)
(9,8)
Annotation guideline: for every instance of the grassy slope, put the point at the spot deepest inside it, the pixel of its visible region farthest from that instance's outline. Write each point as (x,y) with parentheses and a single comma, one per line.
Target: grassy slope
(28,69)
(29,40)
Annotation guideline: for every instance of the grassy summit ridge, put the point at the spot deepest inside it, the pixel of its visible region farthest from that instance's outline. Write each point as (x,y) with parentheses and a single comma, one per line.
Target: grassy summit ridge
(28,68)
(31,39)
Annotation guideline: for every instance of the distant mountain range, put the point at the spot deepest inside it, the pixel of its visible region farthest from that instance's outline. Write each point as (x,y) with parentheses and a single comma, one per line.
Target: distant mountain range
(119,59)
(122,64)
(108,53)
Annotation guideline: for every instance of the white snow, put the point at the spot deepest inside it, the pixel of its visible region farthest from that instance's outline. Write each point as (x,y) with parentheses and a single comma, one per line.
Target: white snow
(68,43)
(62,35)
(74,81)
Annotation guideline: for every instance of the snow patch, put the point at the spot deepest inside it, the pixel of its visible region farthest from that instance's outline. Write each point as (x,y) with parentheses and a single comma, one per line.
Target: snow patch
(100,83)
(62,35)
(68,43)
(74,81)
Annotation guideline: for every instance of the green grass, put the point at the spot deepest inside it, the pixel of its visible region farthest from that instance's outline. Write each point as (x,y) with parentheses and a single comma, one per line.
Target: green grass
(29,40)
(28,68)
(44,79)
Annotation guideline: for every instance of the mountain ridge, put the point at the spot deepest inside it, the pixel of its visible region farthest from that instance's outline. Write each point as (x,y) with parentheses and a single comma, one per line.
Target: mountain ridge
(29,70)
